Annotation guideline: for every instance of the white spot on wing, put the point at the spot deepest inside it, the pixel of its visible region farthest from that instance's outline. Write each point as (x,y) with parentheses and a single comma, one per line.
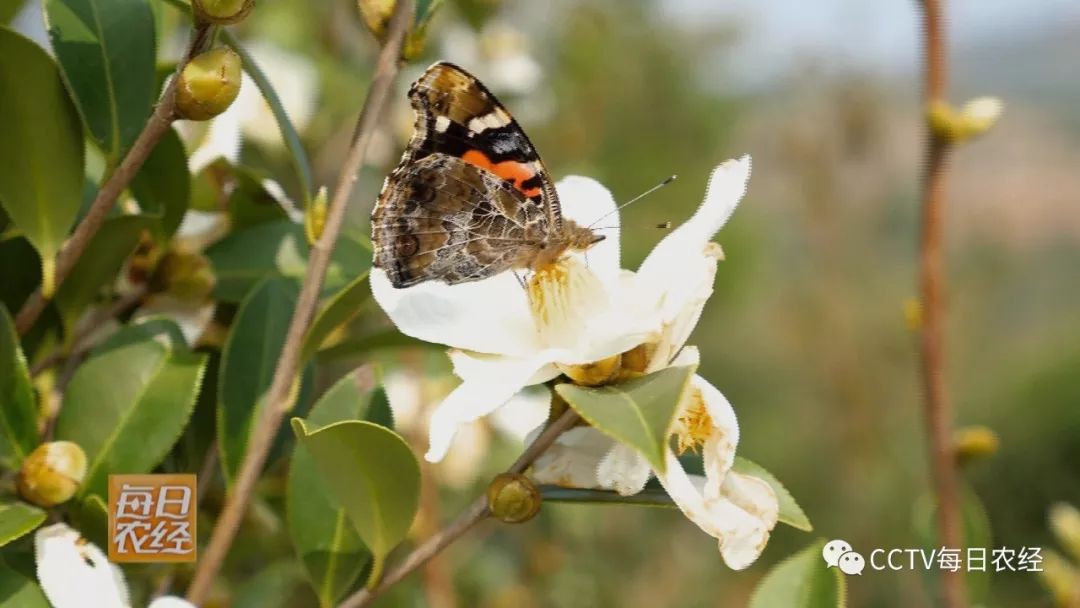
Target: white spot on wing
(442,123)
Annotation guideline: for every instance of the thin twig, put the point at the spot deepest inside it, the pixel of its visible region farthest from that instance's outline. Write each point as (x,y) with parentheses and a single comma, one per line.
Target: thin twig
(156,127)
(938,410)
(279,398)
(474,514)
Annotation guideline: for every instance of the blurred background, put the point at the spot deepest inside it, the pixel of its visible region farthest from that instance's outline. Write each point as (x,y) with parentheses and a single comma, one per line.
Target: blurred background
(806,334)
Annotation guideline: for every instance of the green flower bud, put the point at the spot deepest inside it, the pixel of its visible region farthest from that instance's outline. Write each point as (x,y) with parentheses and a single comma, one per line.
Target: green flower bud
(222,12)
(208,84)
(1065,523)
(52,473)
(315,217)
(975,443)
(513,498)
(185,275)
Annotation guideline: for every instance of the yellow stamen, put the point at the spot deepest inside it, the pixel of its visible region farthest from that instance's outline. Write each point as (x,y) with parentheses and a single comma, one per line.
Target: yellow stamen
(694,425)
(560,296)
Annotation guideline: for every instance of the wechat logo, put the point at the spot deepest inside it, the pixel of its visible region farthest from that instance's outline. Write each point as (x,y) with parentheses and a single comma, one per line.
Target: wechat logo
(838,553)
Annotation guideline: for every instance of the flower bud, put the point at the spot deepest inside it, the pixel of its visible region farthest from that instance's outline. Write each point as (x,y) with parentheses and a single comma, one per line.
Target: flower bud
(974,443)
(979,115)
(913,314)
(185,275)
(315,217)
(593,374)
(222,12)
(1061,578)
(1065,523)
(513,498)
(208,84)
(52,473)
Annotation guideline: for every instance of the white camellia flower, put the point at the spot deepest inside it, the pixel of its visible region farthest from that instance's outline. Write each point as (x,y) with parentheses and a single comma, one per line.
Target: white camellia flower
(585,316)
(75,573)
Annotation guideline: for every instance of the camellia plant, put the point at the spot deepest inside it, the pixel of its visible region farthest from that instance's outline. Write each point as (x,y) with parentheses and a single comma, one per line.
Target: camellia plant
(171,309)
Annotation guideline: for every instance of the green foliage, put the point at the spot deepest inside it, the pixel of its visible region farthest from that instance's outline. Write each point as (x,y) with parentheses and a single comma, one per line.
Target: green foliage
(247,366)
(163,184)
(18,412)
(801,581)
(790,511)
(17,590)
(99,265)
(638,413)
(41,161)
(975,532)
(335,313)
(106,50)
(18,519)
(277,248)
(373,474)
(329,546)
(127,422)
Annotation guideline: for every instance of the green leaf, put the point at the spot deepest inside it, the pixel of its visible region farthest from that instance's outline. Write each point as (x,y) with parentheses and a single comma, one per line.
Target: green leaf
(247,365)
(331,550)
(18,409)
(163,184)
(801,581)
(272,586)
(297,154)
(277,248)
(976,532)
(41,161)
(341,307)
(17,519)
(790,511)
(106,50)
(17,590)
(371,471)
(90,517)
(99,264)
(126,422)
(638,413)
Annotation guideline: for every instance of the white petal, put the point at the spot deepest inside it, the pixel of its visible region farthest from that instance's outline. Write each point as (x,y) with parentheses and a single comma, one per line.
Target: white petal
(489,316)
(221,140)
(720,410)
(168,601)
(624,470)
(573,459)
(524,412)
(741,532)
(478,396)
(75,573)
(586,201)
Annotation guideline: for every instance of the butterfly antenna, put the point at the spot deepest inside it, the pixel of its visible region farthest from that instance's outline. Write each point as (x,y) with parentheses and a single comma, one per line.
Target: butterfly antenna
(636,199)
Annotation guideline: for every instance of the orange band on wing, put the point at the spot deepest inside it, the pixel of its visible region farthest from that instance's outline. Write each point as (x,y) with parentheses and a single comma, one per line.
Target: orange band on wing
(511,170)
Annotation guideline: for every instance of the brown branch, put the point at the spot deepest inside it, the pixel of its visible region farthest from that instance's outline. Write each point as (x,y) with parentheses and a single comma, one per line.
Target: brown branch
(474,514)
(156,127)
(938,410)
(280,397)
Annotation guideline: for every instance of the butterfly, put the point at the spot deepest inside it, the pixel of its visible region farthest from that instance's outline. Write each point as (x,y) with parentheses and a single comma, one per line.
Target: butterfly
(470,198)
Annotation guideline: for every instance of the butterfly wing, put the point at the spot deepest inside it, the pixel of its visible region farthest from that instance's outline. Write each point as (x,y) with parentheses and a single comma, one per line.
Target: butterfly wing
(449,220)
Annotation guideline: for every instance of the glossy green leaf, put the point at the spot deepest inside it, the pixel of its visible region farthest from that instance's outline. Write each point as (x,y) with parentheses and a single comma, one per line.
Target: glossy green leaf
(18,591)
(41,161)
(17,519)
(329,546)
(272,586)
(297,154)
(373,474)
(90,517)
(106,50)
(163,184)
(277,248)
(638,413)
(247,365)
(18,409)
(126,422)
(99,265)
(976,532)
(335,313)
(790,511)
(801,581)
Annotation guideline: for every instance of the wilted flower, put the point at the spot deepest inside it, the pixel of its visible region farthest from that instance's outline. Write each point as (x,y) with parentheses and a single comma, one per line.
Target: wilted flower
(75,573)
(585,317)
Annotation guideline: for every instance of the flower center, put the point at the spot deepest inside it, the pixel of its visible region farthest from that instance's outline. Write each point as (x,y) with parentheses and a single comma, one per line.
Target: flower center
(694,425)
(561,295)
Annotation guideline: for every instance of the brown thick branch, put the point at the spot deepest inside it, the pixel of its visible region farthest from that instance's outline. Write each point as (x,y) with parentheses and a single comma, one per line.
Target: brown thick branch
(473,515)
(937,409)
(74,247)
(279,398)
